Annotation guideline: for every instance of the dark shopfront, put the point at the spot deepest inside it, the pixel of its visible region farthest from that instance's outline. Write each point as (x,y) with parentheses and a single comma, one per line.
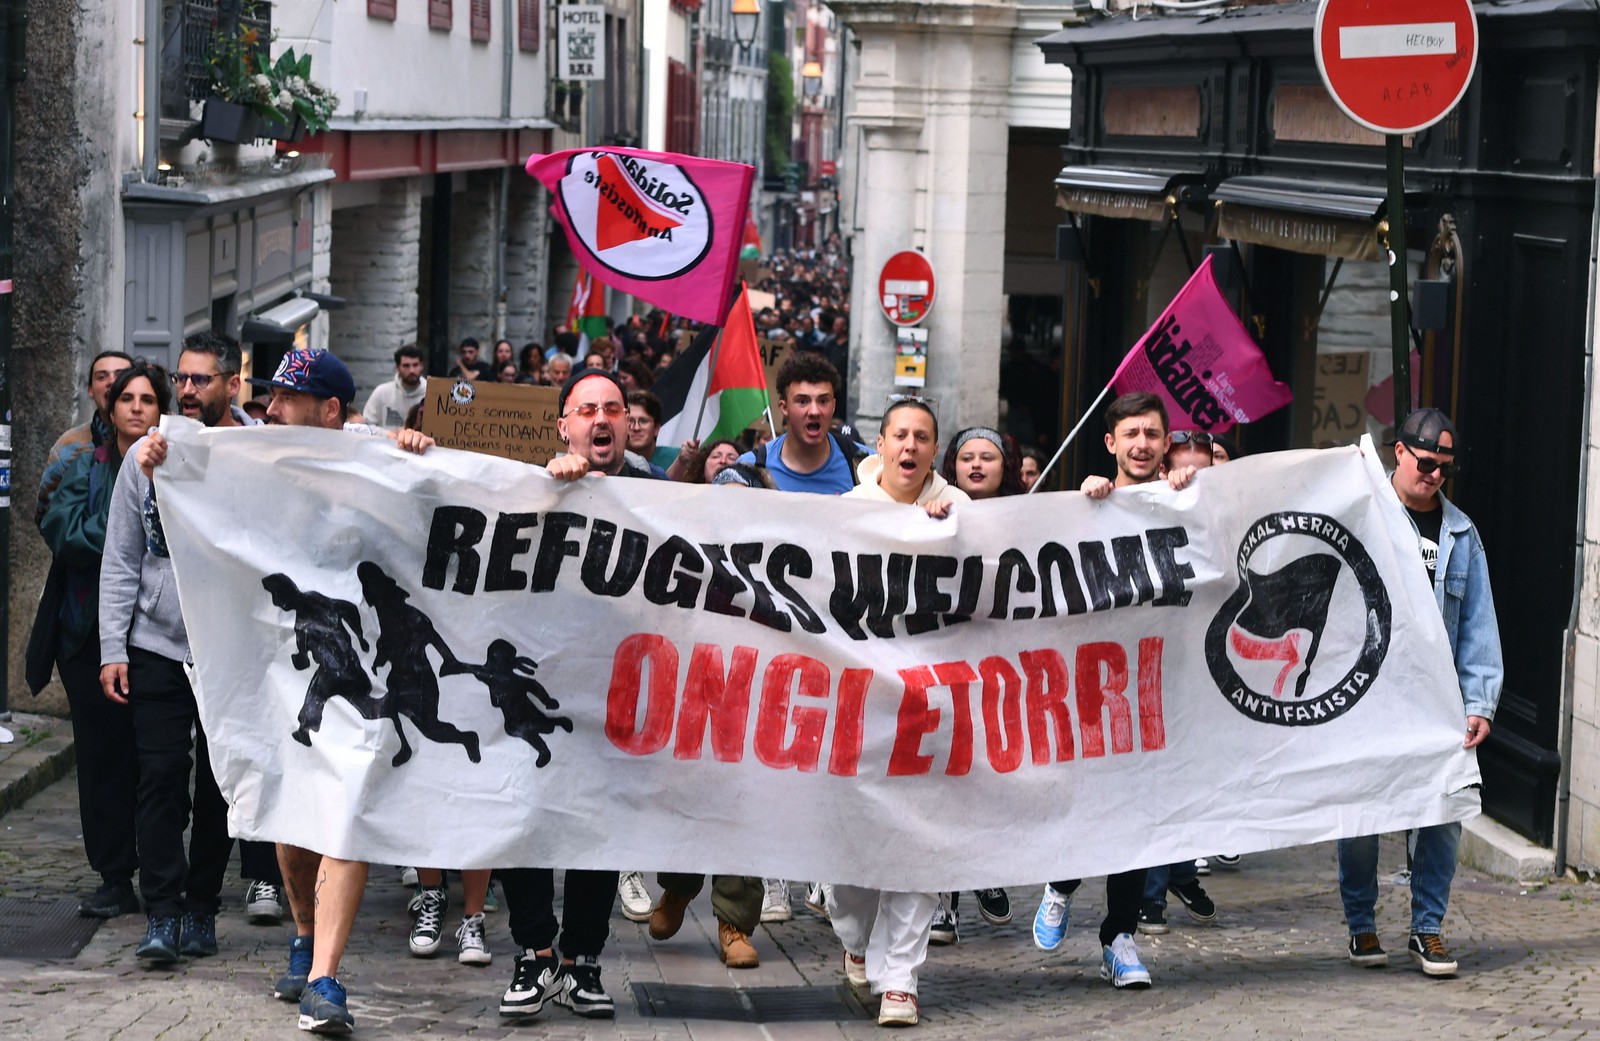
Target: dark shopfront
(1193,130)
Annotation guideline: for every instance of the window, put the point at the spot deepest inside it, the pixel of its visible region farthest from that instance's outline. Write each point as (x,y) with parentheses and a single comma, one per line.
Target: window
(479,21)
(528,25)
(683,105)
(439,14)
(381,9)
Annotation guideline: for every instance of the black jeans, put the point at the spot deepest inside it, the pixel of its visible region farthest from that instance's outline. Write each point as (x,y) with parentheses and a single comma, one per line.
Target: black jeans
(1124,895)
(108,766)
(166,730)
(587,898)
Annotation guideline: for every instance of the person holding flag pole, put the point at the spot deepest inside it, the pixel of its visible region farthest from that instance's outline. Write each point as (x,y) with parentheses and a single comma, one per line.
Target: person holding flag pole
(1200,361)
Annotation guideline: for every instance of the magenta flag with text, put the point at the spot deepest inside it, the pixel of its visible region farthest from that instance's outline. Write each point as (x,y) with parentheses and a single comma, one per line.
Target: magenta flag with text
(661,226)
(1202,362)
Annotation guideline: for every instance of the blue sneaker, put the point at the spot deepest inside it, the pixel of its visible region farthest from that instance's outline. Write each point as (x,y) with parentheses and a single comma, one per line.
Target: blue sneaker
(1120,965)
(1050,921)
(322,1008)
(199,934)
(292,984)
(160,943)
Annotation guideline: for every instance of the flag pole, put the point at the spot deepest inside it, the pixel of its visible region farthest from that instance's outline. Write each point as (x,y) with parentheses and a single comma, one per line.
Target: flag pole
(1039,482)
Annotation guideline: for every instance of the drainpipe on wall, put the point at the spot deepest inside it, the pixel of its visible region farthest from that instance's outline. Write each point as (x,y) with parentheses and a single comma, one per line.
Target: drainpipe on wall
(13,61)
(502,221)
(1570,637)
(152,90)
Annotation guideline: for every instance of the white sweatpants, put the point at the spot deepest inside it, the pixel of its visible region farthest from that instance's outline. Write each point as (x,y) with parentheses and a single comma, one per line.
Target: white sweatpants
(890,929)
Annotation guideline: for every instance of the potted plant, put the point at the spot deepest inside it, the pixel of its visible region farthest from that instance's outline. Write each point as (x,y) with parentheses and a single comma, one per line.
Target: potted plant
(240,93)
(560,100)
(300,104)
(575,101)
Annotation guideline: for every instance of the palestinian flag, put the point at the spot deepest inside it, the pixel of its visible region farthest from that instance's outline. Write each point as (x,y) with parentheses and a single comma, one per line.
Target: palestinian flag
(735,393)
(586,314)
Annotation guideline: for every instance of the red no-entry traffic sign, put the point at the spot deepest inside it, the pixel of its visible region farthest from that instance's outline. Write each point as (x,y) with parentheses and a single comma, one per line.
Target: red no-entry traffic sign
(1396,66)
(905,287)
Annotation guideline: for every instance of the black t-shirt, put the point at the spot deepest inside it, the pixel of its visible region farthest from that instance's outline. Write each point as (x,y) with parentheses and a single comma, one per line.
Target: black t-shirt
(1428,525)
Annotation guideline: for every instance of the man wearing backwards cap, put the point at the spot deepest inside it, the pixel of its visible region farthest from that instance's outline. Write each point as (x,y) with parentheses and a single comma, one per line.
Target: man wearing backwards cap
(311,389)
(1453,555)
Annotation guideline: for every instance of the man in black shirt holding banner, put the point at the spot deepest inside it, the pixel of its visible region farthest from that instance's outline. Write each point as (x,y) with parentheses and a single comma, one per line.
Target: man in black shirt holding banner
(1452,552)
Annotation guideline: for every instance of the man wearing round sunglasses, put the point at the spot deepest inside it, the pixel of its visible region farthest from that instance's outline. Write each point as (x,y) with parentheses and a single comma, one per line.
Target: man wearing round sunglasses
(563,965)
(1452,553)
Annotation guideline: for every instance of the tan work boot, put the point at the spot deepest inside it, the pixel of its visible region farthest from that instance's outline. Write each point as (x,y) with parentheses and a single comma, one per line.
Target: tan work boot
(667,918)
(737,951)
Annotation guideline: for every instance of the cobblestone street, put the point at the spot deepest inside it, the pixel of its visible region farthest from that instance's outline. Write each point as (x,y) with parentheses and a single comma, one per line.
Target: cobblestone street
(1272,967)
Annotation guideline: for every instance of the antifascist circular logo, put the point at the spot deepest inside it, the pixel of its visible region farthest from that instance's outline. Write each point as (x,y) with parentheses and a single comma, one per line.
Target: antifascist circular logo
(641,218)
(463,392)
(1286,647)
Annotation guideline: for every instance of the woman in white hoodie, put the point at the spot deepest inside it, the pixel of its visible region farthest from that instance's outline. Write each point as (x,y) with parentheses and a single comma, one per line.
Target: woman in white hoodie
(885,935)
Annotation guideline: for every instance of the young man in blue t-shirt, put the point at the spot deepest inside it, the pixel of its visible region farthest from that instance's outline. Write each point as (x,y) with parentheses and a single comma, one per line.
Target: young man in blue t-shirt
(808,458)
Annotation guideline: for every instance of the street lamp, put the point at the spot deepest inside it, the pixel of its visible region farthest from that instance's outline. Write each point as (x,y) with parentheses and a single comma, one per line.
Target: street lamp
(811,78)
(746,23)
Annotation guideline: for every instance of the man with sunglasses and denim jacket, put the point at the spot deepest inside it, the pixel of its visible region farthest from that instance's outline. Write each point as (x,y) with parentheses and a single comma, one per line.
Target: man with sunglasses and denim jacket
(593,423)
(1453,555)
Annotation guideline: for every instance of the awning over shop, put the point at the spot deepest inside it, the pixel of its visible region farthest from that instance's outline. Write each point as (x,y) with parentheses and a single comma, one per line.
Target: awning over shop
(1336,220)
(1128,194)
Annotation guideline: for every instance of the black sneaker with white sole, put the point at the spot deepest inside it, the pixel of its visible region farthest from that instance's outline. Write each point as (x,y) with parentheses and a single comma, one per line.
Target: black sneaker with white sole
(1153,920)
(534,981)
(583,993)
(1195,901)
(994,905)
(1367,952)
(1427,950)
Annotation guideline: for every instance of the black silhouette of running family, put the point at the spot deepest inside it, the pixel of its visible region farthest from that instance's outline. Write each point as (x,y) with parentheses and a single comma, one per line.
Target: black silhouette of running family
(322,630)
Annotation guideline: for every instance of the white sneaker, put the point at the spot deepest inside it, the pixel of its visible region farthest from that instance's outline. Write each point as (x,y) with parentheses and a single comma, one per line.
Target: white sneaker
(474,949)
(855,970)
(263,903)
(818,896)
(408,877)
(429,927)
(775,904)
(1202,866)
(899,1009)
(636,900)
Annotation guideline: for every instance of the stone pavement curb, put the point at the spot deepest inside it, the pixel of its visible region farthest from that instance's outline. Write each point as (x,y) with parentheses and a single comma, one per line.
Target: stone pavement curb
(42,754)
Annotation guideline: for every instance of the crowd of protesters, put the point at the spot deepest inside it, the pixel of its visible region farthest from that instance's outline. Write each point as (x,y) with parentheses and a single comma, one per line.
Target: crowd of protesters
(119,649)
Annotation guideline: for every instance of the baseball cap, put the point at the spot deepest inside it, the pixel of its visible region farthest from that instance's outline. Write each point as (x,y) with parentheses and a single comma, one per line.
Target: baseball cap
(313,372)
(1422,429)
(581,375)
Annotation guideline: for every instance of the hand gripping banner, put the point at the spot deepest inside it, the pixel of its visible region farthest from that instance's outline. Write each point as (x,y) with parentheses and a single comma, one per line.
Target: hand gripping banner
(454,659)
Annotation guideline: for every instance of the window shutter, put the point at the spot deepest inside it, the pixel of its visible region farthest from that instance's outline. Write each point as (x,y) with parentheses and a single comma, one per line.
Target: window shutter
(381,9)
(528,24)
(479,21)
(439,14)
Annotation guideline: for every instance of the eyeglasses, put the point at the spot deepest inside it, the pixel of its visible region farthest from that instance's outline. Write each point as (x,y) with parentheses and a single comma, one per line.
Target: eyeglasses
(1425,466)
(588,410)
(635,421)
(200,380)
(1198,438)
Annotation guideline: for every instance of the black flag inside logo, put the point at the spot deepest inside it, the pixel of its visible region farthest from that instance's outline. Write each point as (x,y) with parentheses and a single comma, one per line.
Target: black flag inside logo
(1286,607)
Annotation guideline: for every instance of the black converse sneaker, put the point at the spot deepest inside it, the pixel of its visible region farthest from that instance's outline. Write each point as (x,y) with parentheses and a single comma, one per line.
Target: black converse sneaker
(583,993)
(534,981)
(1427,950)
(1367,952)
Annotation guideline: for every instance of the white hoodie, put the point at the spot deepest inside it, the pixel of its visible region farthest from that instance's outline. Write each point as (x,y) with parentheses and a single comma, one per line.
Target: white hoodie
(933,489)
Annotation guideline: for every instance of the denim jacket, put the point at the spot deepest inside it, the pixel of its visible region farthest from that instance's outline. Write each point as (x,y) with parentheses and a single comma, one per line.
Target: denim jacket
(1461,587)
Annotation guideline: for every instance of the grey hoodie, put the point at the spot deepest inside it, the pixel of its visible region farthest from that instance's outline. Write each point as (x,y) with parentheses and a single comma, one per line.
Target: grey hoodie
(138,593)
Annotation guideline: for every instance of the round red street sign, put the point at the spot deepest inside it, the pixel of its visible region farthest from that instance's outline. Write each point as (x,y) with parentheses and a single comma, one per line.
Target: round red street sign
(905,287)
(1396,66)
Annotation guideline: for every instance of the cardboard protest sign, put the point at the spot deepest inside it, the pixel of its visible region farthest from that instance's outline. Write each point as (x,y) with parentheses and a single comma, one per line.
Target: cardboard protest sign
(510,420)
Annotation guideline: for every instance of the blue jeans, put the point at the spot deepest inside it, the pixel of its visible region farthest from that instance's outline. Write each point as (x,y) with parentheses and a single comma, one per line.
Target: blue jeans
(1157,878)
(1433,868)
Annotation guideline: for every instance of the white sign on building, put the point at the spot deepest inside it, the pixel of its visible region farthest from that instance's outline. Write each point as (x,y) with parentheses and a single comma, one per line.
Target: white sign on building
(582,49)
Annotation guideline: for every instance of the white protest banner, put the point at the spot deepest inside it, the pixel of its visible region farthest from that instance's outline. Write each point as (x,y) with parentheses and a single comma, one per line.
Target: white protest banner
(454,659)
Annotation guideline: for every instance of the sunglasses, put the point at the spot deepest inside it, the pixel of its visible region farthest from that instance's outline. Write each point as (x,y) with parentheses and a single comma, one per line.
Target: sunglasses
(1427,466)
(200,380)
(1196,437)
(589,410)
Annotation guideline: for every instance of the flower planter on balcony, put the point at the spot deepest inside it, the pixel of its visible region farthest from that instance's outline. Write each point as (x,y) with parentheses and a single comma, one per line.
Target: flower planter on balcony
(290,131)
(227,121)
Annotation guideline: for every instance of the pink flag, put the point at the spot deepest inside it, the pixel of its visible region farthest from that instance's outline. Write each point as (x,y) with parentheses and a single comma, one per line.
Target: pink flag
(662,226)
(1201,361)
